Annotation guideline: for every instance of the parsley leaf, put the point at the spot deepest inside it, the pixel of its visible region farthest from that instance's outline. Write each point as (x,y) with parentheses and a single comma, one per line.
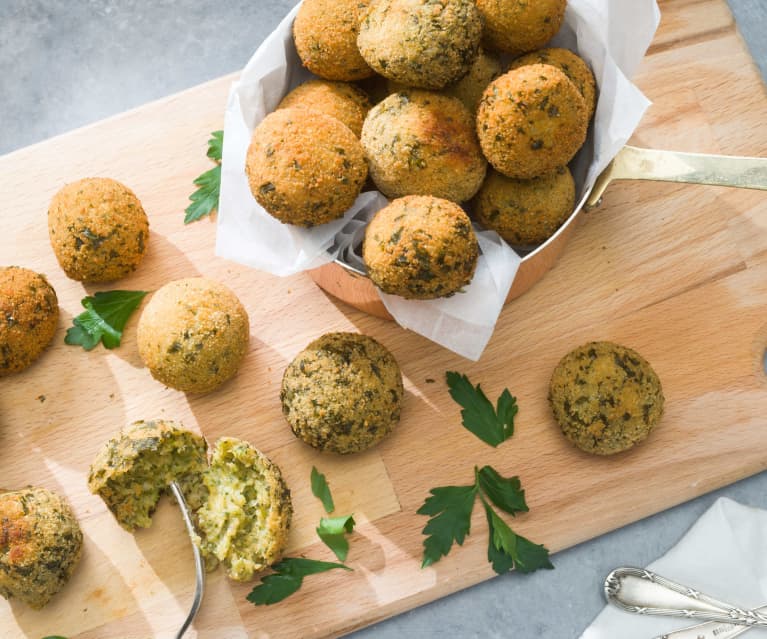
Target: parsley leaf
(287,578)
(507,494)
(450,510)
(104,319)
(216,146)
(205,198)
(332,531)
(492,426)
(321,490)
(530,556)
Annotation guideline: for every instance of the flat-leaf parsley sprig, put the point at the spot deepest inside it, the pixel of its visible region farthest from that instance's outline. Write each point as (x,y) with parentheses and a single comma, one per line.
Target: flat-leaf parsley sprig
(492,425)
(205,198)
(287,578)
(104,319)
(450,508)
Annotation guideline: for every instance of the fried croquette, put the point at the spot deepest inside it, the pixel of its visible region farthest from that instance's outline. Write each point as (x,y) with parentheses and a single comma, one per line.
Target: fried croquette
(420,43)
(193,334)
(423,143)
(29,315)
(325,35)
(40,545)
(469,89)
(342,393)
(136,466)
(339,100)
(305,167)
(525,212)
(245,518)
(420,247)
(573,66)
(519,26)
(531,120)
(98,230)
(605,397)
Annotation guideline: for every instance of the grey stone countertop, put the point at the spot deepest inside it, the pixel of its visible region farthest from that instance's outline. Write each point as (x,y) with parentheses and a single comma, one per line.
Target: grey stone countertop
(67,63)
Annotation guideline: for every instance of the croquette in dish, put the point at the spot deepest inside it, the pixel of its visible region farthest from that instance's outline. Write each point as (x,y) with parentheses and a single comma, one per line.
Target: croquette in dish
(423,143)
(420,247)
(340,100)
(420,43)
(519,26)
(304,167)
(531,120)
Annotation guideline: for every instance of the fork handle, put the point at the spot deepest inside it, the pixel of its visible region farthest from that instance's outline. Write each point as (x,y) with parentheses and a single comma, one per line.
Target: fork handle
(710,630)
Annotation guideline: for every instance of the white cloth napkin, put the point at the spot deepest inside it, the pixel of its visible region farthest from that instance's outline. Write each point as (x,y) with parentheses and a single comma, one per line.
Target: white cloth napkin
(723,555)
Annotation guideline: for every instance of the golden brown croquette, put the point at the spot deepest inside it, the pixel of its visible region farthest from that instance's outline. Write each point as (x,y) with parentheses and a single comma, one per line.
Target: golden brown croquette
(325,35)
(469,89)
(340,100)
(98,230)
(519,26)
(245,518)
(40,545)
(423,143)
(605,397)
(342,393)
(29,315)
(420,247)
(531,120)
(305,167)
(193,334)
(421,43)
(525,212)
(573,66)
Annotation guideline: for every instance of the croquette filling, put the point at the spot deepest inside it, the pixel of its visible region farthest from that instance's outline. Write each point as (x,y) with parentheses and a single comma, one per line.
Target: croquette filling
(233,521)
(133,496)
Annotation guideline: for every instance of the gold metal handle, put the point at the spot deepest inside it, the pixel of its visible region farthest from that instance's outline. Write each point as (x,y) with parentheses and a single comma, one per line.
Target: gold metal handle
(633,163)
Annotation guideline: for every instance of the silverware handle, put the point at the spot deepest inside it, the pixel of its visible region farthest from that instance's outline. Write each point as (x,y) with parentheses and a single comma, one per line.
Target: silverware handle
(643,592)
(199,564)
(633,163)
(710,630)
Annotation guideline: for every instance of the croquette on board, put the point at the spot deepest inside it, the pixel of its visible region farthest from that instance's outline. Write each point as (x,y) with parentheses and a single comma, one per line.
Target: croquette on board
(423,143)
(244,520)
(325,35)
(605,397)
(519,26)
(29,315)
(98,230)
(193,334)
(304,167)
(525,212)
(420,43)
(531,120)
(40,545)
(135,467)
(574,67)
(343,393)
(340,100)
(420,247)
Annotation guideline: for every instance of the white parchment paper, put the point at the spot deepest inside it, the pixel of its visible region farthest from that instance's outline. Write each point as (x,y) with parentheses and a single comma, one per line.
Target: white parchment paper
(611,35)
(723,555)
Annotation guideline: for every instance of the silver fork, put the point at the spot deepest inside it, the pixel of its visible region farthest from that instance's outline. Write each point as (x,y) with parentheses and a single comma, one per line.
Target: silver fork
(710,630)
(199,565)
(643,592)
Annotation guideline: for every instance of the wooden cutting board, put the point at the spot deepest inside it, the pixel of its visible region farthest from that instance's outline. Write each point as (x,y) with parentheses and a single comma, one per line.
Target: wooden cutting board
(677,272)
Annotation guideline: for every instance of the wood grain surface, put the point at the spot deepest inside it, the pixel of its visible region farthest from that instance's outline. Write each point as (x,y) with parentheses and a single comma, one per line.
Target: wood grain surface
(677,272)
